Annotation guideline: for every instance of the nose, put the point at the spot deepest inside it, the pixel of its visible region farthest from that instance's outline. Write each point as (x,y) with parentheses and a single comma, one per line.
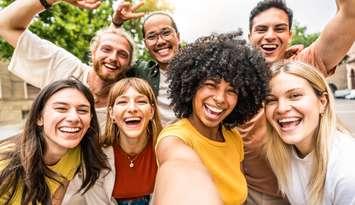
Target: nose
(132,107)
(72,116)
(283,106)
(219,97)
(270,34)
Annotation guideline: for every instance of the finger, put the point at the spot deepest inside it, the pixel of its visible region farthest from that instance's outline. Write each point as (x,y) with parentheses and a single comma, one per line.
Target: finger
(137,15)
(135,7)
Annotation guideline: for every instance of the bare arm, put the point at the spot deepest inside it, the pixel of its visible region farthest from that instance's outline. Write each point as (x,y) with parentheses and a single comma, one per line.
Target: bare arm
(338,35)
(15,18)
(182,178)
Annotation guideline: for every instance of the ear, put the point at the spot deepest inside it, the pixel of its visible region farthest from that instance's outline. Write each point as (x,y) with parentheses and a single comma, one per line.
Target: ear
(40,121)
(290,39)
(152,111)
(110,112)
(323,99)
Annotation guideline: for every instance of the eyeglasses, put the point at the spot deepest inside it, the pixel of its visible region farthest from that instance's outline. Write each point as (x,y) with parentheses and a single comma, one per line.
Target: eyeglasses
(165,33)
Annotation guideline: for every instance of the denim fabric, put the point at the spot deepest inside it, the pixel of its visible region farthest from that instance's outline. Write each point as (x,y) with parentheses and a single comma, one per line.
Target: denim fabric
(137,201)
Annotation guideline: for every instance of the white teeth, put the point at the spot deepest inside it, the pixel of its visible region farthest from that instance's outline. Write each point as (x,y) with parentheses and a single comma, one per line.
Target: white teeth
(269,46)
(132,119)
(110,66)
(69,129)
(163,51)
(214,109)
(285,120)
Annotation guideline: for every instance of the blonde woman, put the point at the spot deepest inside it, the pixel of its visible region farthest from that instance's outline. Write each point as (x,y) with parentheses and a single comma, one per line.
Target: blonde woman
(311,155)
(132,127)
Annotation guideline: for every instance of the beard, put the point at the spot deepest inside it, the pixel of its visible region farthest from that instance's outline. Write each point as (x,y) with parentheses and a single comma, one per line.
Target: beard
(113,77)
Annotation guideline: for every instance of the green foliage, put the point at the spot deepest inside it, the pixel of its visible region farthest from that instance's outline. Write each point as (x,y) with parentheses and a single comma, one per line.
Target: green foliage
(72,28)
(301,37)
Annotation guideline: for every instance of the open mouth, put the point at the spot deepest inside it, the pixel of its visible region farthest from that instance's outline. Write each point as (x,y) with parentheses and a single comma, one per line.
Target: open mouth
(110,66)
(212,112)
(132,121)
(269,48)
(289,123)
(70,129)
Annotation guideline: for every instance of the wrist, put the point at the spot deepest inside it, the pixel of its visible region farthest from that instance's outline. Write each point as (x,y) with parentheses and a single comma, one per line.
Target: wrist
(117,23)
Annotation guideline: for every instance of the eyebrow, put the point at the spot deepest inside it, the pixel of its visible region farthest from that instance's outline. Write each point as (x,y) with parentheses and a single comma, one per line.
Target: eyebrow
(65,103)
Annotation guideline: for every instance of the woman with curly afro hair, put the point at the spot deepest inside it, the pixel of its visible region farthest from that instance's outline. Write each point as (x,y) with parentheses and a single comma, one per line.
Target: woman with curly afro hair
(217,83)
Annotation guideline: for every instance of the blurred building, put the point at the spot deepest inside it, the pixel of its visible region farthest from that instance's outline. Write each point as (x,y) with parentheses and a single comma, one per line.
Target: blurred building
(16,96)
(344,76)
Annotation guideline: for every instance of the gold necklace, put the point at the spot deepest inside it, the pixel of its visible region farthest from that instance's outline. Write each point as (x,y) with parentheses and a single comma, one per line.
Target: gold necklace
(131,164)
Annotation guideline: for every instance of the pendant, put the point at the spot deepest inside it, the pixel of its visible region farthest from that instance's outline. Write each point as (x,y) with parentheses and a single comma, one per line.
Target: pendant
(131,164)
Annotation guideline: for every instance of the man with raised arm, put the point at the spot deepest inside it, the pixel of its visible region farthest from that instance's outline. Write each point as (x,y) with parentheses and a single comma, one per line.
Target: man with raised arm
(270,25)
(161,39)
(39,62)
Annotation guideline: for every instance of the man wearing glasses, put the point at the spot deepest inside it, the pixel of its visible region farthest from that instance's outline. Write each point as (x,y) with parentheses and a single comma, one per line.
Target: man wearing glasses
(161,38)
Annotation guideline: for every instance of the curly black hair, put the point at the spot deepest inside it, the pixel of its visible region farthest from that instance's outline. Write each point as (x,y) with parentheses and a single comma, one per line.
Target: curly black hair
(219,56)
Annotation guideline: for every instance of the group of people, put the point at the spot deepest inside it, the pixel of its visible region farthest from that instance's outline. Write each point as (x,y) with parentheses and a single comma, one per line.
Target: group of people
(218,121)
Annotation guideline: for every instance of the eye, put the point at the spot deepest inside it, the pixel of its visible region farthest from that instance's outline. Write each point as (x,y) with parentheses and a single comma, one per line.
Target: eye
(83,110)
(295,96)
(121,102)
(105,49)
(270,100)
(261,29)
(166,32)
(152,36)
(123,54)
(280,29)
(60,109)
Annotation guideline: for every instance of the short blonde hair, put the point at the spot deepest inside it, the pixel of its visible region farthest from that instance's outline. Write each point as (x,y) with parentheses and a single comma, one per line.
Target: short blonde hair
(95,41)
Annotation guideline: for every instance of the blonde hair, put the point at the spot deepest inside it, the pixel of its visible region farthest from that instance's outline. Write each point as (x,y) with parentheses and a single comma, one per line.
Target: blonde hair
(95,41)
(279,153)
(154,127)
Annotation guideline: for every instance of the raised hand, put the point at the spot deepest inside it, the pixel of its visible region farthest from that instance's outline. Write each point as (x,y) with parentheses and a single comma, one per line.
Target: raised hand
(126,11)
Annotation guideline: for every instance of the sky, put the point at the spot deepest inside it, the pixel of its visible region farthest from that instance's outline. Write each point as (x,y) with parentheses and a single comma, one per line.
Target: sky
(195,18)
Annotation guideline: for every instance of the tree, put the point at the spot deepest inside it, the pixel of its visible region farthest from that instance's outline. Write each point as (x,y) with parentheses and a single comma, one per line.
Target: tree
(301,37)
(72,28)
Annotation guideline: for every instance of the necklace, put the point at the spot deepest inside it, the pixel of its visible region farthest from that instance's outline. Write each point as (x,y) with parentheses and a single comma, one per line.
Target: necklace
(131,164)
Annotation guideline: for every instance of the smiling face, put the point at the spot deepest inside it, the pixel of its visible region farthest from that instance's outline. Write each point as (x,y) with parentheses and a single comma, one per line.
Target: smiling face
(271,34)
(161,39)
(293,110)
(111,59)
(212,103)
(132,112)
(65,119)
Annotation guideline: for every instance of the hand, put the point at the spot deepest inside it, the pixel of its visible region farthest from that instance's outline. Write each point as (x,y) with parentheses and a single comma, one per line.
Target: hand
(293,50)
(85,4)
(127,11)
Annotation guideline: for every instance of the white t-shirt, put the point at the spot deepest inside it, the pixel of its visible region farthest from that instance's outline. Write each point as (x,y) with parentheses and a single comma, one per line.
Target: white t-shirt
(340,178)
(167,115)
(40,62)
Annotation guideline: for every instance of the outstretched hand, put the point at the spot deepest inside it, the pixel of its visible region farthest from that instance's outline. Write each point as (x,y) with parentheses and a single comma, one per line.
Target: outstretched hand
(85,4)
(293,50)
(126,11)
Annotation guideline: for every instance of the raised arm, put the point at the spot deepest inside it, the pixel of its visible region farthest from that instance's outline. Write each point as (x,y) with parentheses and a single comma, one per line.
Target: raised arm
(338,35)
(182,178)
(15,18)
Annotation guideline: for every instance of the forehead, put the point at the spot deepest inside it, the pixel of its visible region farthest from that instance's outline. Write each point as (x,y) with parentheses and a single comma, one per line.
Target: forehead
(157,22)
(271,17)
(131,92)
(288,82)
(68,96)
(115,40)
